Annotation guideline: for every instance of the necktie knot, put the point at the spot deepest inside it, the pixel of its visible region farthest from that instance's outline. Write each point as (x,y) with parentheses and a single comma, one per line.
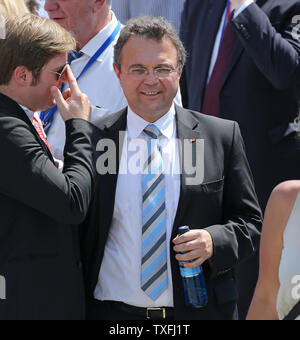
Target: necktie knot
(73,55)
(152,131)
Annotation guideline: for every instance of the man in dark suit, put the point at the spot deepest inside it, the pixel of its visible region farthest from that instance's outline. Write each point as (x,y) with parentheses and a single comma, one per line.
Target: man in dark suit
(253,78)
(40,206)
(200,177)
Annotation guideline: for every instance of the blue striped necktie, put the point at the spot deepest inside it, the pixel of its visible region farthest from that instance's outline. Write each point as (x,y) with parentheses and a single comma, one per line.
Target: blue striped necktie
(154,278)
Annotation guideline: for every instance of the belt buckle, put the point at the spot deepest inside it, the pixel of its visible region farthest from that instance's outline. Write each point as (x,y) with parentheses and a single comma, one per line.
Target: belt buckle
(162,309)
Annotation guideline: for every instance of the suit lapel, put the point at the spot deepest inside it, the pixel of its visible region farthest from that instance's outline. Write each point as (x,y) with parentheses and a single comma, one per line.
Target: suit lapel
(43,145)
(187,132)
(107,183)
(113,129)
(236,53)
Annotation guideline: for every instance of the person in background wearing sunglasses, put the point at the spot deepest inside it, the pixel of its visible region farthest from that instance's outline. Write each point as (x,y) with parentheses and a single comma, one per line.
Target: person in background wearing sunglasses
(40,267)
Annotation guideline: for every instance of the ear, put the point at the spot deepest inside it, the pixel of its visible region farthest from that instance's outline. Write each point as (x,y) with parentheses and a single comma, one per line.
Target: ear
(22,76)
(117,72)
(180,74)
(98,4)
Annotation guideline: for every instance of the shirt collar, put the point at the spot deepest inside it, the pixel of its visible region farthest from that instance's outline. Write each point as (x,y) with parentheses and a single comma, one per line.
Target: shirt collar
(136,124)
(28,112)
(99,39)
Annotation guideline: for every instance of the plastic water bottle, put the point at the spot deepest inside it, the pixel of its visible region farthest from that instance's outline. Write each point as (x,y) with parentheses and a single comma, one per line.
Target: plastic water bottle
(193,281)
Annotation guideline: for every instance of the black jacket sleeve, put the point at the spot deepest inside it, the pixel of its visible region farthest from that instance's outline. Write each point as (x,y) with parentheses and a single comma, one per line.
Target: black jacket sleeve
(28,175)
(273,43)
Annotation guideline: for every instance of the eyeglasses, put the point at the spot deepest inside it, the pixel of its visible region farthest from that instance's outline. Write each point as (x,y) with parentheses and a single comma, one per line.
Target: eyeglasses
(159,72)
(60,73)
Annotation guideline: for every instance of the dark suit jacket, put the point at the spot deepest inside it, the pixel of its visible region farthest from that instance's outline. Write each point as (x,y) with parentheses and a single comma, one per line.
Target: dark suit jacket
(225,204)
(39,206)
(261,87)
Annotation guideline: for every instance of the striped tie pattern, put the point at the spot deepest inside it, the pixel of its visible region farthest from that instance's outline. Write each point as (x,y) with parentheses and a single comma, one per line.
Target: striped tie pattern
(154,279)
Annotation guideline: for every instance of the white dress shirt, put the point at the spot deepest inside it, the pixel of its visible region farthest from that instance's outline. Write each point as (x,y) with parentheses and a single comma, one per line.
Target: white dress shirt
(120,273)
(30,114)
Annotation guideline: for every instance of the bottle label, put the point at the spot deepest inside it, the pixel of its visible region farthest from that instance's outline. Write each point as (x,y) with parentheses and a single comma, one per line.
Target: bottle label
(190,272)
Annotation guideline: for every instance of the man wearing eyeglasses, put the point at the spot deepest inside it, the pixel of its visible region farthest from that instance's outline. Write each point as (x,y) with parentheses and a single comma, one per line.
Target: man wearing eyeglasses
(129,244)
(40,206)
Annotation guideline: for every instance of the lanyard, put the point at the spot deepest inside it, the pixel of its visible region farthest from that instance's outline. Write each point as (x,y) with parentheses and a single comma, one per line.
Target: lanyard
(45,119)
(226,19)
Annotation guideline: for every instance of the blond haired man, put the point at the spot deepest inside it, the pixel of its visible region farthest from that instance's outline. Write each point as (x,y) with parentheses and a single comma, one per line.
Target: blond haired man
(39,258)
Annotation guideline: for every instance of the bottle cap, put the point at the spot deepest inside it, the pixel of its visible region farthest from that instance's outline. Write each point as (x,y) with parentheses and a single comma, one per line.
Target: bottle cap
(183,230)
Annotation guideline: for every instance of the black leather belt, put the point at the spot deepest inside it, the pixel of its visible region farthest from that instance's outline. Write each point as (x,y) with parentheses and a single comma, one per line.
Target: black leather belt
(149,313)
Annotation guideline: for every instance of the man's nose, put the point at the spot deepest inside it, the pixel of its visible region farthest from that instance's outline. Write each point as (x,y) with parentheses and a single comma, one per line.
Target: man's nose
(151,77)
(50,5)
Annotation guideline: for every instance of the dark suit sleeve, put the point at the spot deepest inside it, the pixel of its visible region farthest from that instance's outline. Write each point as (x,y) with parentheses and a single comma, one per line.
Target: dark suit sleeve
(238,237)
(29,176)
(273,46)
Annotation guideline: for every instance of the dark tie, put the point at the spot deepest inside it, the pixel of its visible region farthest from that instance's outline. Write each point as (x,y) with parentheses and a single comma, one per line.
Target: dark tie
(211,102)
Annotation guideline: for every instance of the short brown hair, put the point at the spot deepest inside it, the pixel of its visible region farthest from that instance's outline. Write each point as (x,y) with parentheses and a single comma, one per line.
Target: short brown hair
(31,41)
(149,27)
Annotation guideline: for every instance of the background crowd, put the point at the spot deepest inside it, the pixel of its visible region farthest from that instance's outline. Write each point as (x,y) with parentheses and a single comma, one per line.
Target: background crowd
(241,64)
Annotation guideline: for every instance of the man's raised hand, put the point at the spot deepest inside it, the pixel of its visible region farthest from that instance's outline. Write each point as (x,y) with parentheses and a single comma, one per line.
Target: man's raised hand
(72,103)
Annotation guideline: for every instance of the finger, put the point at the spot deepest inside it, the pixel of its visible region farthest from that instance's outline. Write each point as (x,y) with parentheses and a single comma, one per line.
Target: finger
(66,94)
(187,246)
(72,81)
(60,102)
(189,256)
(195,263)
(190,235)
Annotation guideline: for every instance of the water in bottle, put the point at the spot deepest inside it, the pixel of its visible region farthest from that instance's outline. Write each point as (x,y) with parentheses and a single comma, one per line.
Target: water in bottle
(193,282)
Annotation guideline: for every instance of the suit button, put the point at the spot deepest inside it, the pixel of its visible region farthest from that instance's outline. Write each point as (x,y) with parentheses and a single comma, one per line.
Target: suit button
(79,265)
